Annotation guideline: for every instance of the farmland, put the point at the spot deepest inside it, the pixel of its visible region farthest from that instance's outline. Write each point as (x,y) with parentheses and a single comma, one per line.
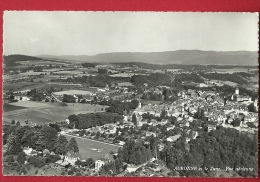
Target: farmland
(42,112)
(9,107)
(233,70)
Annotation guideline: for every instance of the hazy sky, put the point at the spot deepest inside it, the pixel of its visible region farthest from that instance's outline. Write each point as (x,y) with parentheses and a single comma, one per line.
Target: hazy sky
(89,33)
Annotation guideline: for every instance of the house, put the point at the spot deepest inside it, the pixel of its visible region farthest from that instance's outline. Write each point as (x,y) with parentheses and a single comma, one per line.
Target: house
(183,123)
(121,143)
(29,151)
(100,162)
(150,134)
(194,134)
(70,158)
(173,138)
(211,127)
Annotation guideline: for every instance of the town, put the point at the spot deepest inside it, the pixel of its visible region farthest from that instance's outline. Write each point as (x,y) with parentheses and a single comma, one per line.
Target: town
(128,119)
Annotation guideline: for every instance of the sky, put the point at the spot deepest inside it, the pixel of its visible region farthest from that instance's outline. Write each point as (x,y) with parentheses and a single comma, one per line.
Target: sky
(90,33)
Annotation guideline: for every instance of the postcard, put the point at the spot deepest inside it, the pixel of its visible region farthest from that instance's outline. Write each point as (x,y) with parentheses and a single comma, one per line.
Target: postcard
(130,94)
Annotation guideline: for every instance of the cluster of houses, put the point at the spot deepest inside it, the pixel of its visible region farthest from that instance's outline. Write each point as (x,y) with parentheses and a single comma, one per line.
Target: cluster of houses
(216,110)
(68,159)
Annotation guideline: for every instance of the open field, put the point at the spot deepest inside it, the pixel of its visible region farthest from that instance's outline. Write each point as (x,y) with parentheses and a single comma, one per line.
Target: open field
(10,107)
(40,62)
(73,92)
(31,73)
(233,84)
(44,112)
(70,72)
(233,70)
(33,104)
(18,85)
(89,148)
(21,86)
(125,84)
(125,74)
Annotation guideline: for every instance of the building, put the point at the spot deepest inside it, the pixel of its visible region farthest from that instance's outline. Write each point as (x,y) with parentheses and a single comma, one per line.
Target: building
(173,138)
(237,91)
(99,163)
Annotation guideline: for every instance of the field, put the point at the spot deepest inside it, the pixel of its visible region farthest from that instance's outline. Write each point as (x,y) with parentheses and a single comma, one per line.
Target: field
(89,148)
(125,74)
(73,92)
(39,62)
(233,84)
(19,85)
(233,70)
(9,107)
(43,112)
(125,84)
(31,73)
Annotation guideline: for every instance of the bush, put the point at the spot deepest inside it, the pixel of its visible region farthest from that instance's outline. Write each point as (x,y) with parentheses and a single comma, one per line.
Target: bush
(36,161)
(71,172)
(24,171)
(9,159)
(21,158)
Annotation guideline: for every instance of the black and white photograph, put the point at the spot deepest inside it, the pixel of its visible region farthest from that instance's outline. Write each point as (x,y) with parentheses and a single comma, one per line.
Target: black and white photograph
(130,94)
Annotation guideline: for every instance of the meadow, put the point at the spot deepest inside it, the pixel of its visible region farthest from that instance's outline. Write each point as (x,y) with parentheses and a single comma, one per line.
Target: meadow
(232,70)
(46,112)
(19,85)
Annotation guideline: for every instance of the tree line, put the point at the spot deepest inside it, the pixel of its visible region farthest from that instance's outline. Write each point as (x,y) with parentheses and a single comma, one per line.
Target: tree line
(84,121)
(100,80)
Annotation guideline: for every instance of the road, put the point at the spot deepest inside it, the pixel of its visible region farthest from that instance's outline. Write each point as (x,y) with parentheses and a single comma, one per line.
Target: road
(91,140)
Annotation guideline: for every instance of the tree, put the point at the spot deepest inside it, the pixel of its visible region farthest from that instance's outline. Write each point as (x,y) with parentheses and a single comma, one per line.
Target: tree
(134,103)
(47,139)
(13,147)
(72,146)
(21,158)
(236,122)
(163,114)
(60,145)
(13,121)
(251,108)
(134,119)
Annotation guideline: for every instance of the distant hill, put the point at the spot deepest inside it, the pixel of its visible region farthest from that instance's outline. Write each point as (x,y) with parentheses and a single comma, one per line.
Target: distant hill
(171,57)
(13,60)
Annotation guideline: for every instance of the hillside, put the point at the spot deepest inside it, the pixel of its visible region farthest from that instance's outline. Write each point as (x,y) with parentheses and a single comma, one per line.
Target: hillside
(13,60)
(170,57)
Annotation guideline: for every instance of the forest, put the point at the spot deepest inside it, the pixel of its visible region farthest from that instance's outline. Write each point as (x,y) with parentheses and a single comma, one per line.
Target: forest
(219,148)
(43,139)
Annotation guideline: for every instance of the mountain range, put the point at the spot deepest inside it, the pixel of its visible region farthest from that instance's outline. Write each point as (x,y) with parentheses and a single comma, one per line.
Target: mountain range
(185,57)
(169,57)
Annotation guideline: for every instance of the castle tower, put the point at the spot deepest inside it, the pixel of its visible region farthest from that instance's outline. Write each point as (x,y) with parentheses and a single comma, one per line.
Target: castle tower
(237,91)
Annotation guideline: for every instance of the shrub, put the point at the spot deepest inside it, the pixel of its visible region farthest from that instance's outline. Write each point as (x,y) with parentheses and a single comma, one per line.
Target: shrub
(36,161)
(71,172)
(21,158)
